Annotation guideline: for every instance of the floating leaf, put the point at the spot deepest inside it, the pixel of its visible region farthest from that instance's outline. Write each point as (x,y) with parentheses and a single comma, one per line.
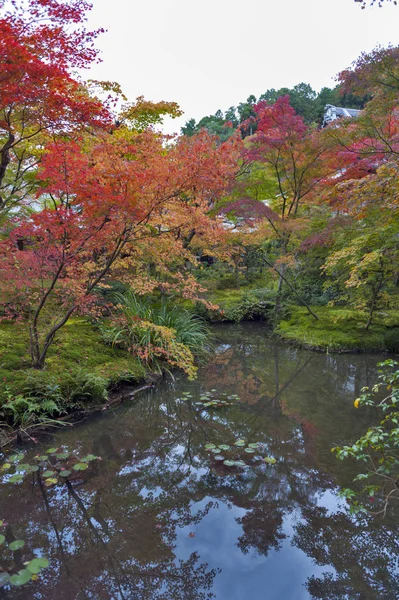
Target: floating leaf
(50,481)
(42,458)
(4,579)
(219,457)
(23,467)
(6,466)
(240,463)
(52,450)
(210,446)
(37,564)
(16,545)
(33,468)
(21,577)
(229,463)
(63,455)
(48,473)
(270,460)
(16,458)
(216,450)
(224,447)
(2,539)
(253,445)
(65,473)
(249,450)
(239,443)
(16,478)
(89,458)
(83,466)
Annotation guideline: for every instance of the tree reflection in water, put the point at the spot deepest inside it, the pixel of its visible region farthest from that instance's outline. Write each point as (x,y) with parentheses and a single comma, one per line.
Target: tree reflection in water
(138,524)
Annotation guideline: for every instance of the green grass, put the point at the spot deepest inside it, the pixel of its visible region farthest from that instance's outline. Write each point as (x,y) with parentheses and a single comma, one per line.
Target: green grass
(79,369)
(341,330)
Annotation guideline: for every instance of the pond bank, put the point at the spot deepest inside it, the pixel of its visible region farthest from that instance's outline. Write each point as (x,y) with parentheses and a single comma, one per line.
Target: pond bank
(81,372)
(340,330)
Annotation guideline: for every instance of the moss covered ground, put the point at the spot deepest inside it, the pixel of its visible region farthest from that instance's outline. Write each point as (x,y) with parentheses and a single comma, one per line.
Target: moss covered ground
(341,330)
(79,369)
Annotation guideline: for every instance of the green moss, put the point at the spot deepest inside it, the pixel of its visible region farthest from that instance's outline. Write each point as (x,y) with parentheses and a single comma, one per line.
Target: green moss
(339,329)
(240,304)
(80,368)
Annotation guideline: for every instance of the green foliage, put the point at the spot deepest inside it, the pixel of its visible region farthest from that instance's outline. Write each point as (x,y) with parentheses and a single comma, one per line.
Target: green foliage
(378,449)
(24,412)
(212,399)
(337,329)
(79,371)
(158,335)
(9,575)
(48,467)
(364,268)
(235,458)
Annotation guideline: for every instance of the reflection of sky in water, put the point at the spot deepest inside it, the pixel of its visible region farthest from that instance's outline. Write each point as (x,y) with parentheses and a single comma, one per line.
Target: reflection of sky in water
(280,575)
(157,484)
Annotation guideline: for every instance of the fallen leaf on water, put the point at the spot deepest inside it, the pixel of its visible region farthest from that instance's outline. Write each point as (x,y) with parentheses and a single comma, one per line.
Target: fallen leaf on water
(191,534)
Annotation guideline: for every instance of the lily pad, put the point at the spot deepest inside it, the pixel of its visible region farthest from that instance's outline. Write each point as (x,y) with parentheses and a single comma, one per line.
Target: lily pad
(23,467)
(50,481)
(16,478)
(48,473)
(210,446)
(6,466)
(36,565)
(239,463)
(216,450)
(224,447)
(2,539)
(219,457)
(80,466)
(250,450)
(270,460)
(21,577)
(52,450)
(89,458)
(65,473)
(4,579)
(16,457)
(229,463)
(63,455)
(16,545)
(239,443)
(42,458)
(253,445)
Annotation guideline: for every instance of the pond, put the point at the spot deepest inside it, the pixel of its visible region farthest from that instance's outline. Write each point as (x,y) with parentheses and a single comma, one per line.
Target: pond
(161,518)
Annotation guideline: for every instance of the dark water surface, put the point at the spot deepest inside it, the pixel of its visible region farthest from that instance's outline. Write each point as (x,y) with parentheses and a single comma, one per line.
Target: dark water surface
(160,518)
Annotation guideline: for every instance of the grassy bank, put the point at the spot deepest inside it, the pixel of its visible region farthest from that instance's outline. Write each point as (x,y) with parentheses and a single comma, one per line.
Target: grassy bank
(341,330)
(80,370)
(239,304)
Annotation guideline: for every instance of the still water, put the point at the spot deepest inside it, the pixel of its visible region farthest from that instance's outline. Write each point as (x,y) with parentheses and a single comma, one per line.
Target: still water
(160,519)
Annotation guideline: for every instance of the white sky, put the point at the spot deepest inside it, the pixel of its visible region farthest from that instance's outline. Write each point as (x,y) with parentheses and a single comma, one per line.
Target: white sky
(215,53)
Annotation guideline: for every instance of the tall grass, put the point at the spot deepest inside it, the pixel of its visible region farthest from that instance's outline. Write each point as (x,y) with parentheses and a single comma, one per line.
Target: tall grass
(158,334)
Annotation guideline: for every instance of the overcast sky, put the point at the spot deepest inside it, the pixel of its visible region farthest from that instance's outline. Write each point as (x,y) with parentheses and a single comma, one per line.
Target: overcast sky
(214,53)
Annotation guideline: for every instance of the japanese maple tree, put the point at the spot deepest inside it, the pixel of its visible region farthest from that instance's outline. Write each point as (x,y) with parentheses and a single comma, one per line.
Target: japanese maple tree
(41,42)
(111,205)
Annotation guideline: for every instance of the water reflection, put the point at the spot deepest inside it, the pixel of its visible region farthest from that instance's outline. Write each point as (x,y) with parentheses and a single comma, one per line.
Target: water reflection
(158,519)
